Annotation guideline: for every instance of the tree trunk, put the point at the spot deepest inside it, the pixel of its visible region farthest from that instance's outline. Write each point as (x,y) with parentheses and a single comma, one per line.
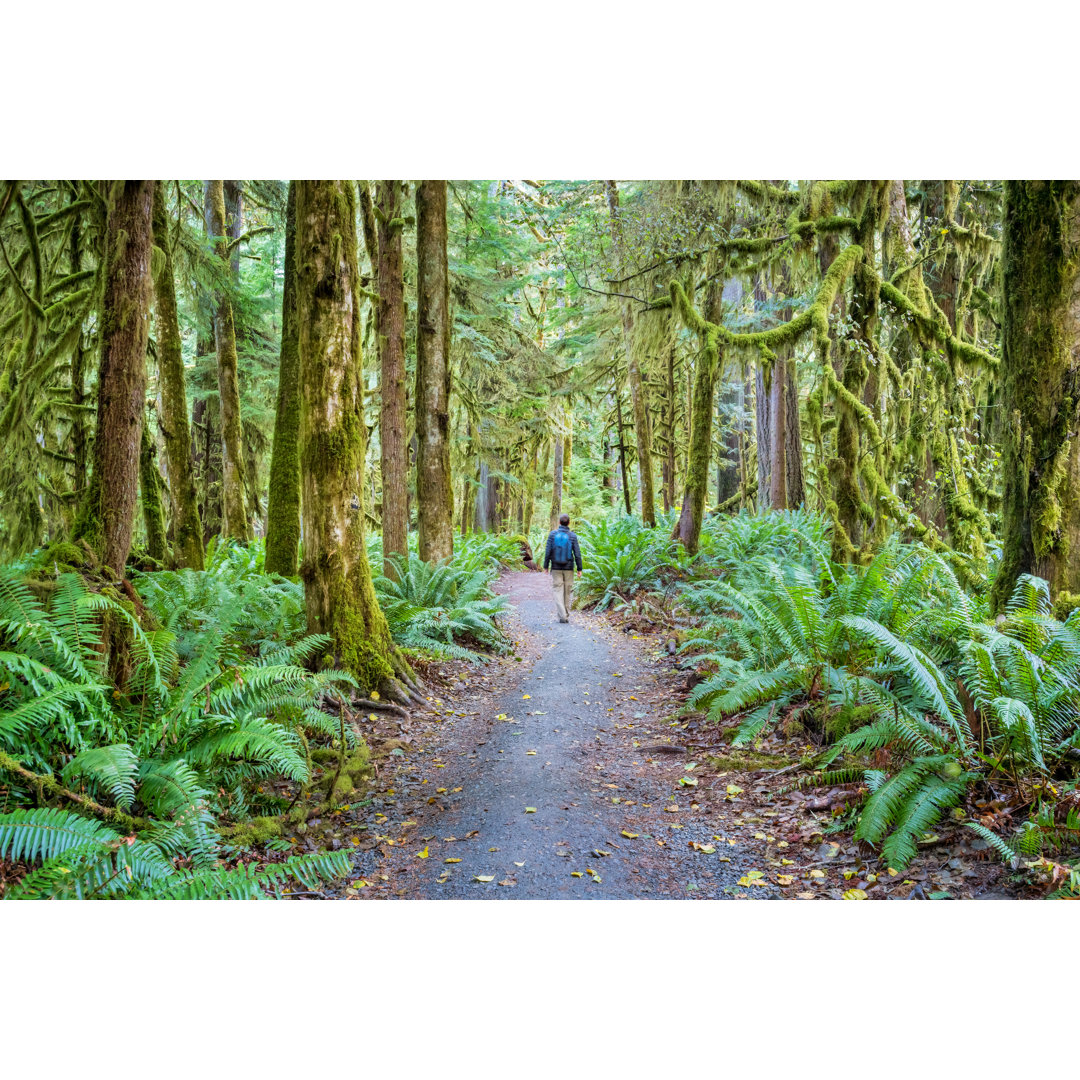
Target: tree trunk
(624,472)
(557,480)
(669,431)
(637,386)
(707,373)
(79,440)
(150,489)
(183,496)
(108,513)
(338,589)
(436,540)
(1041,392)
(283,502)
(763,439)
(234,514)
(394,401)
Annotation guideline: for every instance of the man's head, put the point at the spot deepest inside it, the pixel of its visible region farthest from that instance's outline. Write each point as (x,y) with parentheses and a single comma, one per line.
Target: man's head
(564,519)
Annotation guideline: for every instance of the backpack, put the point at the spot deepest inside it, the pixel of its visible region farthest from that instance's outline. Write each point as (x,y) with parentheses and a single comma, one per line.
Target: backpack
(562,550)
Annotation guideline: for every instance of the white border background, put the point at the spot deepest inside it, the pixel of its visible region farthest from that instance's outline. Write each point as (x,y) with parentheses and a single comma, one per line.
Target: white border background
(551,89)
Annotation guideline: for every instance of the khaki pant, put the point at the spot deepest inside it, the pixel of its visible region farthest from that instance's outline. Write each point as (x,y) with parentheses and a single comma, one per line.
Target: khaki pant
(562,584)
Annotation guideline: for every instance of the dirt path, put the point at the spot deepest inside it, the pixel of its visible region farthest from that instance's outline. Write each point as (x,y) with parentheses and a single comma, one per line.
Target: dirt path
(532,766)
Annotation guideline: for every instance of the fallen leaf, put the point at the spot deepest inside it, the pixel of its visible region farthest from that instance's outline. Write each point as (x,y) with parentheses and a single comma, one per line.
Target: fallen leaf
(440,790)
(855,894)
(732,789)
(525,697)
(575,873)
(423,854)
(598,852)
(451,860)
(630,835)
(530,753)
(519,864)
(493,849)
(817,873)
(808,895)
(484,877)
(508,881)
(672,809)
(687,781)
(530,809)
(785,879)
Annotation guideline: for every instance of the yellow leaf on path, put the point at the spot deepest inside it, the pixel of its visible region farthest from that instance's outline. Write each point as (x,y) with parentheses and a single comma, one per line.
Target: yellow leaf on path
(785,879)
(423,854)
(855,894)
(787,862)
(687,781)
(493,849)
(630,835)
(808,895)
(525,697)
(451,860)
(575,873)
(484,877)
(530,809)
(817,873)
(441,790)
(732,789)
(672,809)
(508,881)
(530,753)
(455,789)
(759,836)
(371,717)
(600,851)
(892,872)
(519,864)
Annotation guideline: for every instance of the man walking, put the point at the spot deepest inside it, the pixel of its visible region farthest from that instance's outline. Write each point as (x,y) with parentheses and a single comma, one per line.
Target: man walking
(562,554)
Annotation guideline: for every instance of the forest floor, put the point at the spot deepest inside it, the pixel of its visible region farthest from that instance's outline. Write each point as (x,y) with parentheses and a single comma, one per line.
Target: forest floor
(565,770)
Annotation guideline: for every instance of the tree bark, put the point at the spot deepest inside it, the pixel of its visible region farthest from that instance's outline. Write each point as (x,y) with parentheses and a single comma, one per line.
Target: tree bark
(394,400)
(637,387)
(338,589)
(235,523)
(183,496)
(436,539)
(108,513)
(283,503)
(1041,392)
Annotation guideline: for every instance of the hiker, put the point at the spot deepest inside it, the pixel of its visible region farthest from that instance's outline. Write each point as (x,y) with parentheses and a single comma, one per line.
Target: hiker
(562,554)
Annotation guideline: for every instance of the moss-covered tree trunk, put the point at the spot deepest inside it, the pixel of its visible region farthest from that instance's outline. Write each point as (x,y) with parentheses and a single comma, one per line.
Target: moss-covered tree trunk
(107,516)
(557,478)
(338,589)
(434,497)
(1041,391)
(624,472)
(393,410)
(853,512)
(283,505)
(669,432)
(234,513)
(707,372)
(150,485)
(183,497)
(642,431)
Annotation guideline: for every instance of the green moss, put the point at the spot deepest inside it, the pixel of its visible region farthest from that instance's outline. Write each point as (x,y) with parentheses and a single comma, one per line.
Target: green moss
(259,830)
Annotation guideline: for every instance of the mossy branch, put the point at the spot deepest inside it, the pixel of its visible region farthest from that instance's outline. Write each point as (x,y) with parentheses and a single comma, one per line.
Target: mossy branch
(47,784)
(937,329)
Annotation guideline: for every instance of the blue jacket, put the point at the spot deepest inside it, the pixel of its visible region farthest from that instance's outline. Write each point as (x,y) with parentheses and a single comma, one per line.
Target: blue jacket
(549,551)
